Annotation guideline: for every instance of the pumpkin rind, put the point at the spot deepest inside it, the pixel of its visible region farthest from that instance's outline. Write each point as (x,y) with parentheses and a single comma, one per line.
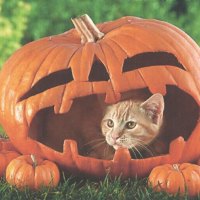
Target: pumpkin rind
(21,172)
(122,39)
(183,178)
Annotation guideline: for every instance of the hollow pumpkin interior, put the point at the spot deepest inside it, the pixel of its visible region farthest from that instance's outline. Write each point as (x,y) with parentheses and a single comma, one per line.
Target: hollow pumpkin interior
(180,118)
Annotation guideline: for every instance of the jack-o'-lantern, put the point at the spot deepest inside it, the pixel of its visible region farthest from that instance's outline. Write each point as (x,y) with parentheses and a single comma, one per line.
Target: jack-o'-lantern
(109,59)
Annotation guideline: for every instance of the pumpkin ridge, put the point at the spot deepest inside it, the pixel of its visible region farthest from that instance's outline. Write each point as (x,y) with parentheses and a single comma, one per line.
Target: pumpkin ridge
(179,32)
(149,28)
(110,47)
(64,89)
(106,25)
(181,42)
(155,84)
(133,39)
(49,69)
(119,60)
(171,75)
(171,178)
(40,65)
(31,58)
(183,171)
(105,64)
(110,72)
(182,49)
(19,178)
(155,178)
(124,47)
(75,62)
(150,35)
(127,80)
(86,61)
(142,77)
(195,58)
(40,168)
(20,79)
(18,56)
(111,39)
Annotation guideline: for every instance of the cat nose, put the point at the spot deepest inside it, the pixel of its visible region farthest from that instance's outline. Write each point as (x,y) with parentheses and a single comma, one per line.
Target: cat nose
(115,136)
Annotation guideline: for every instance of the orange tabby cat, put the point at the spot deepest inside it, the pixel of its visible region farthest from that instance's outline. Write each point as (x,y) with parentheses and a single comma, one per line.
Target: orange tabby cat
(133,124)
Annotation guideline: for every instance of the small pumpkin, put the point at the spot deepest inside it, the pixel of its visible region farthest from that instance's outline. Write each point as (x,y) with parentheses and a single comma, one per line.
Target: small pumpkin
(32,172)
(176,178)
(5,158)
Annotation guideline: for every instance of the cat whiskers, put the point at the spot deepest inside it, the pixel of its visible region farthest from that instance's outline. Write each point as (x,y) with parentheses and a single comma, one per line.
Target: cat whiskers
(94,141)
(97,145)
(143,146)
(92,145)
(133,149)
(106,151)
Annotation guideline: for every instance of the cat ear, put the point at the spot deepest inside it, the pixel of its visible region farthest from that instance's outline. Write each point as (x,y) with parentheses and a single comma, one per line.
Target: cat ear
(154,107)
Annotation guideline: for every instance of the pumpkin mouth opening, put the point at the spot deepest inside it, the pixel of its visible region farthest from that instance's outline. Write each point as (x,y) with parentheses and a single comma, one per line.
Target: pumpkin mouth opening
(180,118)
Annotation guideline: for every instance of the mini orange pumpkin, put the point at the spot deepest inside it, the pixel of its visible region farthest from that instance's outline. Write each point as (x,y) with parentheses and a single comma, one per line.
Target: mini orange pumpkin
(32,172)
(176,178)
(5,158)
(110,59)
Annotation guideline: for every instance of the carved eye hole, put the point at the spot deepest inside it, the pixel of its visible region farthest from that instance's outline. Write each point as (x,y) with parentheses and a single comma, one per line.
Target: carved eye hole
(151,59)
(98,72)
(52,80)
(110,123)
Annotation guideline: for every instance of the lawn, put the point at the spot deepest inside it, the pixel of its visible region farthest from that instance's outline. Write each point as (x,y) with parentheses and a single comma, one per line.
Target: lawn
(87,189)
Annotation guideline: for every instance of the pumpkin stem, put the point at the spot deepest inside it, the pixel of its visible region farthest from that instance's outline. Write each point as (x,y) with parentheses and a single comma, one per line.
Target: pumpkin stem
(33,158)
(175,166)
(87,29)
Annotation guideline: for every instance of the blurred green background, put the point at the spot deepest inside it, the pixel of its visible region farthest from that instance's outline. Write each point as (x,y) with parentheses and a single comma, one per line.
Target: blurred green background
(22,21)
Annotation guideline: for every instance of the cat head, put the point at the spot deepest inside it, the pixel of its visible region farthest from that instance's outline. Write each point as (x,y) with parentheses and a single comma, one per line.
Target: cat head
(133,123)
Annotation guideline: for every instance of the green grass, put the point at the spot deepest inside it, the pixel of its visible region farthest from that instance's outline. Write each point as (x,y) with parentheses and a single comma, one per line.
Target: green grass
(71,188)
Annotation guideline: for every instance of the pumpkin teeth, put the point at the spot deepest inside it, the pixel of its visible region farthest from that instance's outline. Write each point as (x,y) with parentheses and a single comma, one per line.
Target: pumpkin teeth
(65,106)
(159,88)
(112,97)
(122,154)
(70,146)
(176,147)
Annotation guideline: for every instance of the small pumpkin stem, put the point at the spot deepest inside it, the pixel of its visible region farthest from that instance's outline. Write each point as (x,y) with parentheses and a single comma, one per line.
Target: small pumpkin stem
(87,29)
(33,158)
(175,166)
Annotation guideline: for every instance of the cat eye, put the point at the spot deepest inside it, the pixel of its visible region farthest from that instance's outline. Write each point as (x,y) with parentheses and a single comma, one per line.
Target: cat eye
(110,123)
(130,125)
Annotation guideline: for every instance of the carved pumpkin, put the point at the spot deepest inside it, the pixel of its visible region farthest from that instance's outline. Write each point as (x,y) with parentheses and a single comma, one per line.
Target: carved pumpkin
(32,172)
(110,59)
(176,178)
